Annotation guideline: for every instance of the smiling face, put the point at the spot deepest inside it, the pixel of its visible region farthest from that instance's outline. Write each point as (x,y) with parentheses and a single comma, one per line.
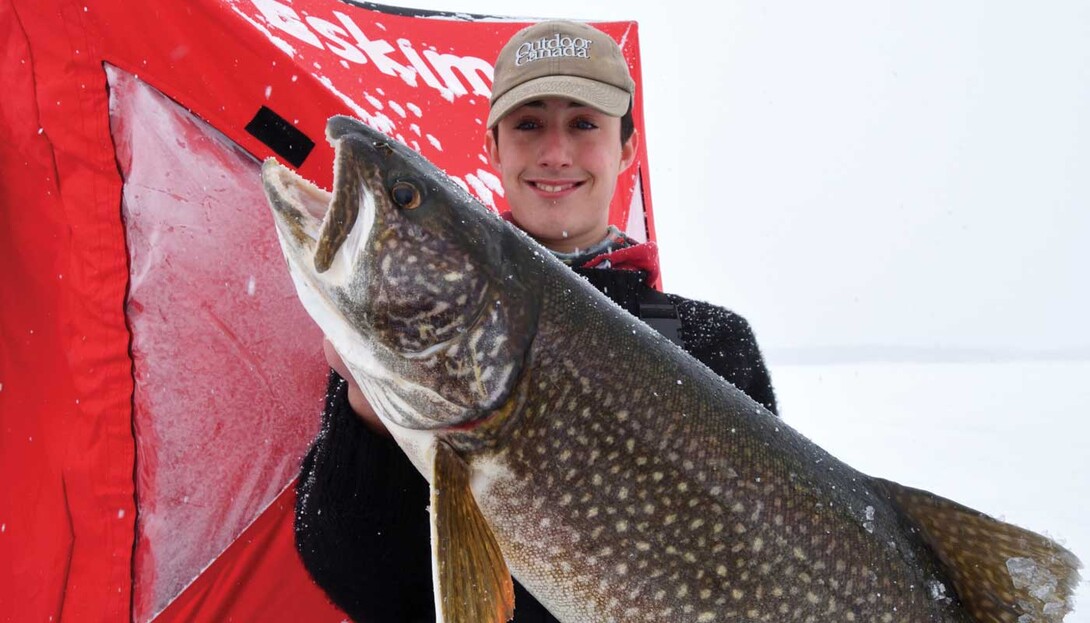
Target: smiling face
(559,161)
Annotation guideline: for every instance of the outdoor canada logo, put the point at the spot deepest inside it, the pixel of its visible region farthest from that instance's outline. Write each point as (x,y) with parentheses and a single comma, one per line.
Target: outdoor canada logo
(552,47)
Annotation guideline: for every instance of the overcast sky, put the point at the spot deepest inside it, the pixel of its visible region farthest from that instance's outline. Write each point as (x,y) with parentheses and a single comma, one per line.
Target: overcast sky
(869,176)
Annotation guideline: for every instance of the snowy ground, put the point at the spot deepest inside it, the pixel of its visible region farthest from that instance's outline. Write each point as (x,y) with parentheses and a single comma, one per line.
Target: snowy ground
(1011,439)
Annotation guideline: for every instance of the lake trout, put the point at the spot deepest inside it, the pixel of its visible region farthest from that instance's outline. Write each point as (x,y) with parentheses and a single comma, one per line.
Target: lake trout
(617,477)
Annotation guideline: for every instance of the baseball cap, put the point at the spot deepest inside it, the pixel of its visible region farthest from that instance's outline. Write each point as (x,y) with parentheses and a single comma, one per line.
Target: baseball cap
(559,58)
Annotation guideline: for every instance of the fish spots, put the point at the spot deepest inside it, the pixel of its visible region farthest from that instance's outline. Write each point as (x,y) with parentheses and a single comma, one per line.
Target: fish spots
(648,508)
(498,342)
(475,338)
(756,516)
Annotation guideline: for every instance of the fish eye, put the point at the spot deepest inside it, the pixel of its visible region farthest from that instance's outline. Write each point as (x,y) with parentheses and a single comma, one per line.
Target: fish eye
(405,195)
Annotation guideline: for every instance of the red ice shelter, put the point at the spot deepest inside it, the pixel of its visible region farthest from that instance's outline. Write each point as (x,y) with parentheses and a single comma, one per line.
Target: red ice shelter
(159,381)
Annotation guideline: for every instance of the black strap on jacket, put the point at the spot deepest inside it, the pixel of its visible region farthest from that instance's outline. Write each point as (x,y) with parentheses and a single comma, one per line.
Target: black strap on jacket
(628,289)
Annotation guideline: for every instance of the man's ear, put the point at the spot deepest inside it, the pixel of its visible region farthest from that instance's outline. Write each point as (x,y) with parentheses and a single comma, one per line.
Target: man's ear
(629,150)
(493,149)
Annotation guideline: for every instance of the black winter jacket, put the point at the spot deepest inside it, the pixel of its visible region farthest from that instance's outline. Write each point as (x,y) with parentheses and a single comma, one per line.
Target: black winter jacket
(361,523)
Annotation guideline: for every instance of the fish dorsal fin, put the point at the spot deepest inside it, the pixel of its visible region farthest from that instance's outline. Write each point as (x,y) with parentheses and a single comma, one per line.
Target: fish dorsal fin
(473,584)
(1000,572)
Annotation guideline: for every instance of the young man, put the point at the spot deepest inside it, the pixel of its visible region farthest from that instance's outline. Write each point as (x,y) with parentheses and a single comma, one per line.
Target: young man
(560,133)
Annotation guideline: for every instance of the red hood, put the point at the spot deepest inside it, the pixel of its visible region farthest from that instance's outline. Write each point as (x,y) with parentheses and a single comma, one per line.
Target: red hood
(641,256)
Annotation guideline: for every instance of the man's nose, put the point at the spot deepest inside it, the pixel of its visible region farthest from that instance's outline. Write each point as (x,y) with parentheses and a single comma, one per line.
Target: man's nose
(556,148)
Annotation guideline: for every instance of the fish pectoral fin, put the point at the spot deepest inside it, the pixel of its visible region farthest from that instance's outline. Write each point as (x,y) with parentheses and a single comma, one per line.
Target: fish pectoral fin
(472,581)
(1000,572)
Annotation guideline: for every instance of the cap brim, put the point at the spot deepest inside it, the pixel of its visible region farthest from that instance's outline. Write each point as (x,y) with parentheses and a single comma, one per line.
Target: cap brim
(607,98)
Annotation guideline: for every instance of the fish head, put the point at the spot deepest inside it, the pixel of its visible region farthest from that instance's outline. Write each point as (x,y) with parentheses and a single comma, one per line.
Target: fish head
(430,299)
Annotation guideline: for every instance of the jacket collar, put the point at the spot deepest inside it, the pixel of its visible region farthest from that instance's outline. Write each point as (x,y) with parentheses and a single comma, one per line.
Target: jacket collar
(616,251)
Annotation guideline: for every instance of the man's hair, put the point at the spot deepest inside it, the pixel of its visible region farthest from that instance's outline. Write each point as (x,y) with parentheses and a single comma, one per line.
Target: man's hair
(628,126)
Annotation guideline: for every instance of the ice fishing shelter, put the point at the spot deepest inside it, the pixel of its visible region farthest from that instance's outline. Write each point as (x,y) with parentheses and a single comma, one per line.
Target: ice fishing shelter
(159,381)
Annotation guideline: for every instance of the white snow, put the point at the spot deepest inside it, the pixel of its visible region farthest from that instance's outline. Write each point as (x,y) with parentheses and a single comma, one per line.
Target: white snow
(868,519)
(938,590)
(1026,574)
(1007,438)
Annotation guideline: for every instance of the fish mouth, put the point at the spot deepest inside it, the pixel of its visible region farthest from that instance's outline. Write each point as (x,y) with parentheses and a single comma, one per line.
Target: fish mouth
(317,223)
(300,206)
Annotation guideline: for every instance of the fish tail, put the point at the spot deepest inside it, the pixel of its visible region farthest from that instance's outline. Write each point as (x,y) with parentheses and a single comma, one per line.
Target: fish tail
(1000,572)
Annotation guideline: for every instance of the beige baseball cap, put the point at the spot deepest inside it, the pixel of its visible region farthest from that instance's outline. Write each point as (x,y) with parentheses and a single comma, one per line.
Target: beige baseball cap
(561,59)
